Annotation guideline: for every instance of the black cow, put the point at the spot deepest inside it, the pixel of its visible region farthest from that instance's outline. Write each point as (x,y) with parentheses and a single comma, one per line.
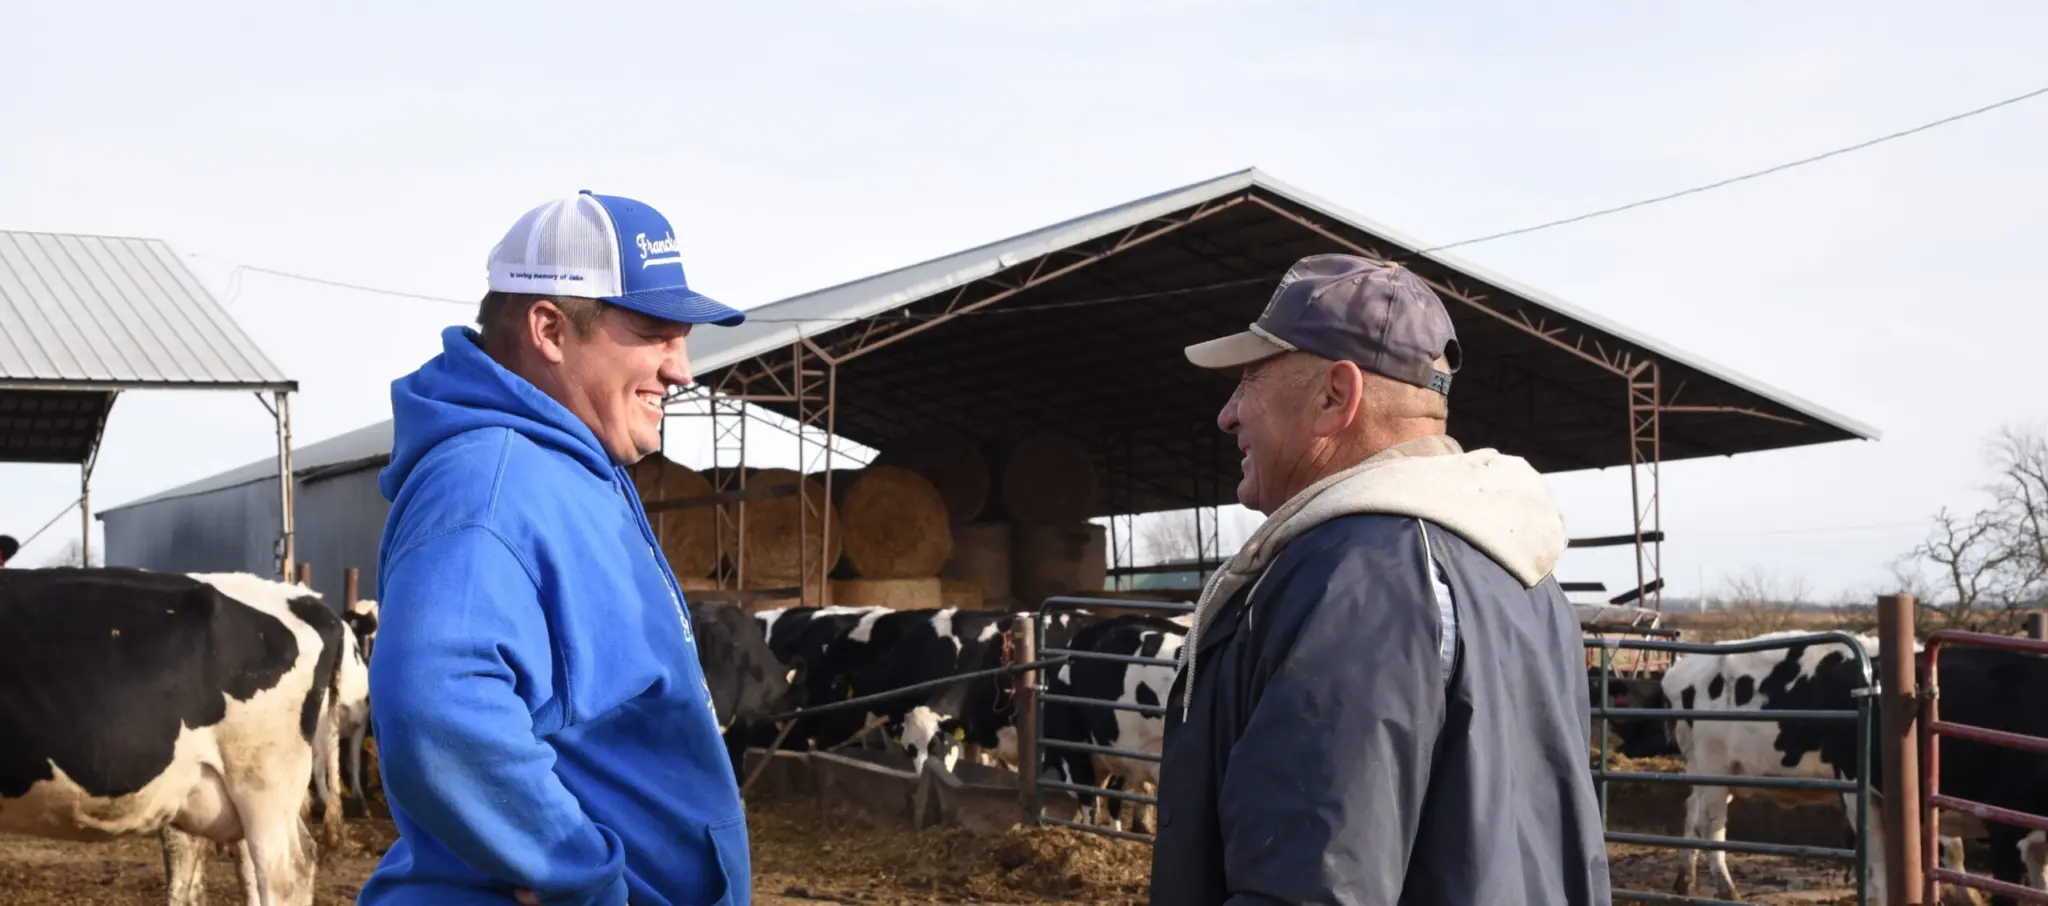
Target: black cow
(747,680)
(1640,737)
(119,689)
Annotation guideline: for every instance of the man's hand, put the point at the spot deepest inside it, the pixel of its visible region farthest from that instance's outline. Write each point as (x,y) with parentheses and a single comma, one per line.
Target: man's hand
(526,898)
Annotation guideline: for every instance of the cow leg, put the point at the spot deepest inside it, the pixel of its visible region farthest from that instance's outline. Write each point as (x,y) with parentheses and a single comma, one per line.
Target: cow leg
(1706,818)
(278,851)
(2034,855)
(2008,859)
(184,868)
(1952,859)
(252,889)
(355,759)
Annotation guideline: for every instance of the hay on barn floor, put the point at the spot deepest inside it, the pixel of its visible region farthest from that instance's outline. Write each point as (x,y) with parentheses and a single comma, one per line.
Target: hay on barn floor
(834,851)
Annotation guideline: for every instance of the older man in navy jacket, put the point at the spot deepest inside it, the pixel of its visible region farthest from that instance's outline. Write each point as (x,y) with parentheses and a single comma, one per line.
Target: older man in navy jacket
(1382,700)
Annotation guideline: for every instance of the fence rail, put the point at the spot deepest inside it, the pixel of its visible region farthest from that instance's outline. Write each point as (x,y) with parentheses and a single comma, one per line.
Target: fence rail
(1932,729)
(1861,716)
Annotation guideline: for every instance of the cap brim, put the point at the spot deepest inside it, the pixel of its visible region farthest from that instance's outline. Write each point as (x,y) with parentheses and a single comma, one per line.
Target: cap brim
(1233,352)
(683,306)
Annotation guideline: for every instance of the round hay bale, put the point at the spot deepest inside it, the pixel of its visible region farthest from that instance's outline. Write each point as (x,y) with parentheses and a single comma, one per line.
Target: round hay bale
(981,556)
(1047,478)
(688,536)
(774,549)
(952,462)
(1055,560)
(896,524)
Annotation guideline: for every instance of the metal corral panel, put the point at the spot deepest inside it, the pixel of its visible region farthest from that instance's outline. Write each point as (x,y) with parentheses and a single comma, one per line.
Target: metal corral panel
(106,312)
(234,529)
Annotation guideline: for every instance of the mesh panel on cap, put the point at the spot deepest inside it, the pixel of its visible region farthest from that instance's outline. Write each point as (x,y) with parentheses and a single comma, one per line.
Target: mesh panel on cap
(579,236)
(570,236)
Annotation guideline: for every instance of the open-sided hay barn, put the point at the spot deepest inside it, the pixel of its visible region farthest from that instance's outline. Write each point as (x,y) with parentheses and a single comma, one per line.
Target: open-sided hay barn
(1077,329)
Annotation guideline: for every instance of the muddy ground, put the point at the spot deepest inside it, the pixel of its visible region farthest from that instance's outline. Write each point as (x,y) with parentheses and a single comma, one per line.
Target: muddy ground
(805,854)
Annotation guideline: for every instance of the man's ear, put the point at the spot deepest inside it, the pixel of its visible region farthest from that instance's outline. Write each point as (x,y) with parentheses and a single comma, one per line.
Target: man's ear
(1339,394)
(547,327)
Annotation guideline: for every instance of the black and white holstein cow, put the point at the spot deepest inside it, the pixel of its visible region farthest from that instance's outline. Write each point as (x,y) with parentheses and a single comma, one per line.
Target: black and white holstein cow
(747,681)
(1980,687)
(352,715)
(852,652)
(1126,684)
(191,706)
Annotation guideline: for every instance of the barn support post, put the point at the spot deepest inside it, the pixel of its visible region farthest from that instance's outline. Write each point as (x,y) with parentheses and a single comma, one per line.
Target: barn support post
(817,396)
(287,540)
(1646,453)
(85,513)
(1900,697)
(729,473)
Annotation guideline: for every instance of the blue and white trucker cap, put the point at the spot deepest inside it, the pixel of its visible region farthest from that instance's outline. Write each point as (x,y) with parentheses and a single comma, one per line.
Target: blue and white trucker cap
(603,247)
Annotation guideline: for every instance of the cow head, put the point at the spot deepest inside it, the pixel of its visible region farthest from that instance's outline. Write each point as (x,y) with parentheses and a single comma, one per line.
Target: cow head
(1641,737)
(926,735)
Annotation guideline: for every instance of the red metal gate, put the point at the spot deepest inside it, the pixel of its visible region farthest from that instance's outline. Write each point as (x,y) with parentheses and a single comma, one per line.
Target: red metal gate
(1932,728)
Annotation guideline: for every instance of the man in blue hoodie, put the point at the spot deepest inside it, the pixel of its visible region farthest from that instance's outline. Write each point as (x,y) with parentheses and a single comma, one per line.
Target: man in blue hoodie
(544,728)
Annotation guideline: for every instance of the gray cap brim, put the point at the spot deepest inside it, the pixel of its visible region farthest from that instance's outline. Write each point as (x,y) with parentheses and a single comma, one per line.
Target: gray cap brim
(1234,352)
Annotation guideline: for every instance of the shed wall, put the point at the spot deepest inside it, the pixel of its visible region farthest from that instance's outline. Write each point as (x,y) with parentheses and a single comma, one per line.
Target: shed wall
(340,520)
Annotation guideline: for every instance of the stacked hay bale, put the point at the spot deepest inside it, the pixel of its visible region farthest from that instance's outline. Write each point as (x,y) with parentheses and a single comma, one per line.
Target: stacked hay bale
(687,536)
(780,537)
(897,531)
(1046,488)
(933,522)
(1019,519)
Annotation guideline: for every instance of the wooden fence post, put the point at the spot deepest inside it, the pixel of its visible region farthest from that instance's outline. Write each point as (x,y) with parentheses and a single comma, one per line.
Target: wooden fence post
(1026,701)
(349,587)
(306,574)
(1900,742)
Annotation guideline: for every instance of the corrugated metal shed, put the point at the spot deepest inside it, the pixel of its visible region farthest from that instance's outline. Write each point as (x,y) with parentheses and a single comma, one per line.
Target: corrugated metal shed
(83,318)
(113,313)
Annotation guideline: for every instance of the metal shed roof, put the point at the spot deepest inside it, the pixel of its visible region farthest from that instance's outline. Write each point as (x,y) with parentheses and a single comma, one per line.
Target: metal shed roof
(113,313)
(83,318)
(1062,352)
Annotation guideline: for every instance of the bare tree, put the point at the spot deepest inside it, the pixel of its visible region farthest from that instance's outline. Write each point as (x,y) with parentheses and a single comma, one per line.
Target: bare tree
(72,554)
(1167,536)
(1992,566)
(1173,535)
(1759,601)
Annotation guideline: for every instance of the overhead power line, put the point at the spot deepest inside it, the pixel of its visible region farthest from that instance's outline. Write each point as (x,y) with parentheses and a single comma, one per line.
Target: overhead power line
(1546,225)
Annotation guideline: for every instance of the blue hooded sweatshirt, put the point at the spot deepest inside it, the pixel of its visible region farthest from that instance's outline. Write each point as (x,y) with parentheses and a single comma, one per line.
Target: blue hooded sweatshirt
(542,719)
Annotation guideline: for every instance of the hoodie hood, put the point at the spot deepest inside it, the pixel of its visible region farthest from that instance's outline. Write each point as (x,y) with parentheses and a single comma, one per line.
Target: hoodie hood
(462,390)
(1499,504)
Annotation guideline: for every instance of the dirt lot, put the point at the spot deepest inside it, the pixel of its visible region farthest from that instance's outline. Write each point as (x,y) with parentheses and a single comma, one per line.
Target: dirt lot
(805,856)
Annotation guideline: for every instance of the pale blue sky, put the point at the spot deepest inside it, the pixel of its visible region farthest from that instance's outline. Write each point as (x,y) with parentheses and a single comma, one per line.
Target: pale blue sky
(796,145)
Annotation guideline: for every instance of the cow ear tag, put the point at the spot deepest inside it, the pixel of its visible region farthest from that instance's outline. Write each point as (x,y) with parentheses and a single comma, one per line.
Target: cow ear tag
(959,734)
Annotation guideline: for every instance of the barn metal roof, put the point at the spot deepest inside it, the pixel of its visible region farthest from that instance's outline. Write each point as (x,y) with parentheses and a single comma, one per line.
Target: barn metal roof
(1097,347)
(113,313)
(83,318)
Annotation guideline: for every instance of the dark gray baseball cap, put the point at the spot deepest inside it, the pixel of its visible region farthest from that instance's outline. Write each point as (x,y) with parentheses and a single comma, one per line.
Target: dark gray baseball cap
(1349,309)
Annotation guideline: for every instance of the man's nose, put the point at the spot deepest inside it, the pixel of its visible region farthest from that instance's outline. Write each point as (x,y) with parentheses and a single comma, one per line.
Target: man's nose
(675,367)
(1227,419)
